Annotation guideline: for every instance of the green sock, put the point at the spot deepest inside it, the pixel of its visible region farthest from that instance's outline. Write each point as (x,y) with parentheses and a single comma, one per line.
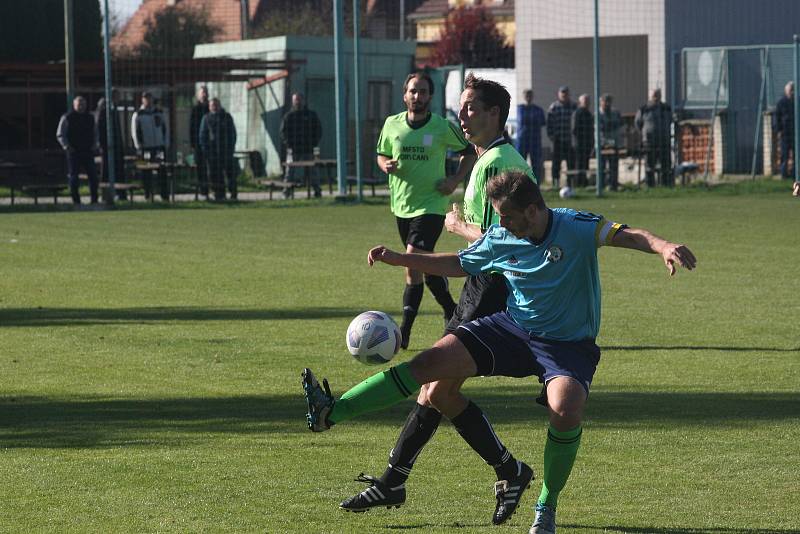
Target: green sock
(559,457)
(375,393)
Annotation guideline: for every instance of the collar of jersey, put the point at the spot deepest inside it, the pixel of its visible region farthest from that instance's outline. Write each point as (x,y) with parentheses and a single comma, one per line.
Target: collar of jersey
(546,232)
(497,142)
(420,124)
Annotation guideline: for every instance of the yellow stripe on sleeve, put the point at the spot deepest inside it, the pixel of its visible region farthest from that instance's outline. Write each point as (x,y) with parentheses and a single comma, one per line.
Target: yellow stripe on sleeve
(605,231)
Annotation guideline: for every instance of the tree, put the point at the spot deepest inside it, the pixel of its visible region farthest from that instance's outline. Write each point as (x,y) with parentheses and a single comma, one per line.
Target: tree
(33,30)
(306,17)
(174,31)
(470,37)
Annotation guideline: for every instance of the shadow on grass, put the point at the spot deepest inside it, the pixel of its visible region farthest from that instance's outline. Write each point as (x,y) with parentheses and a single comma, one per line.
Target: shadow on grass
(687,530)
(85,422)
(721,348)
(88,316)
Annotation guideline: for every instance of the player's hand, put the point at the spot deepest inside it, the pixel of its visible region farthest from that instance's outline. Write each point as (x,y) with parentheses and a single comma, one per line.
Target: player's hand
(673,253)
(446,186)
(391,166)
(454,218)
(381,253)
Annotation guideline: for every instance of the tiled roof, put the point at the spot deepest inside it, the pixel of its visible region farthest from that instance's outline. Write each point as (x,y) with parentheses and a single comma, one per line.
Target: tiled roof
(224,14)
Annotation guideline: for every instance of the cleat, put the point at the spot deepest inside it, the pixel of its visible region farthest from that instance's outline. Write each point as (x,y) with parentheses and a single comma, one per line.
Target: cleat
(509,492)
(405,336)
(320,402)
(377,494)
(545,520)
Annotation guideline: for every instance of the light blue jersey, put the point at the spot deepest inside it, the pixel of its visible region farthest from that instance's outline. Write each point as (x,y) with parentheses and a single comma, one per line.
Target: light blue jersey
(554,285)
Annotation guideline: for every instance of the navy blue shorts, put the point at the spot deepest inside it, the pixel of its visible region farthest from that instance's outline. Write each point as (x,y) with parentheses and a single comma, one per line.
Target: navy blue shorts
(421,232)
(501,348)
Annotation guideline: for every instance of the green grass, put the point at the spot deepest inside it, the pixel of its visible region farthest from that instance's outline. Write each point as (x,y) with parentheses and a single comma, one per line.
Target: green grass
(150,360)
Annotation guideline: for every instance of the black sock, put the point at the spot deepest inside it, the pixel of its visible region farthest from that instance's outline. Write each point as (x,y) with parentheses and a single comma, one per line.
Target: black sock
(479,434)
(421,424)
(441,292)
(412,297)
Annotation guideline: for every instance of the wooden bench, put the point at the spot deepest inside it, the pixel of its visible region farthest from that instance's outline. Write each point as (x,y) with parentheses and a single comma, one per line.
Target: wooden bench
(275,185)
(33,172)
(371,182)
(128,188)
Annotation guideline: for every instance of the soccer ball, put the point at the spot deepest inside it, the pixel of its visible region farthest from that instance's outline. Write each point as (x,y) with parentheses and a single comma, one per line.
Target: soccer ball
(566,192)
(373,338)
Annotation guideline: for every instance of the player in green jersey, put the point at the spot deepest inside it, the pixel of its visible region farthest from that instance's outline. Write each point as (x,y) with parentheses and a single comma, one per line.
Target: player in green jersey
(412,149)
(484,110)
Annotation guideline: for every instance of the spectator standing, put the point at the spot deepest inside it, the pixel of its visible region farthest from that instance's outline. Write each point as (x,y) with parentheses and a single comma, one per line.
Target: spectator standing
(218,142)
(784,126)
(559,119)
(78,137)
(199,110)
(610,139)
(150,137)
(102,137)
(301,131)
(654,122)
(583,132)
(529,136)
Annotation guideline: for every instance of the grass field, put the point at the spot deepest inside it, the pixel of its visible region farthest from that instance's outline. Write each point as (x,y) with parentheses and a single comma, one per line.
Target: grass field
(150,362)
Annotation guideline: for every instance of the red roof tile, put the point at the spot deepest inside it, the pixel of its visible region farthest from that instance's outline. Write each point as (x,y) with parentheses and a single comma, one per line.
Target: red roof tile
(224,14)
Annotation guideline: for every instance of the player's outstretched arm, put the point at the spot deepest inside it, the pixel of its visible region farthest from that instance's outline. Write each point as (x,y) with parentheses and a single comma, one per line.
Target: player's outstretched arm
(671,253)
(455,224)
(441,264)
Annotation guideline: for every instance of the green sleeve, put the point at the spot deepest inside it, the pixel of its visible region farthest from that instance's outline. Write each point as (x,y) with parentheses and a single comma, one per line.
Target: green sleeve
(455,137)
(384,147)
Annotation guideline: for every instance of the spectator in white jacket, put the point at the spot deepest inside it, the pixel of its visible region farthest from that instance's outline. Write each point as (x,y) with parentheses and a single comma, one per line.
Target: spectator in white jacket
(151,139)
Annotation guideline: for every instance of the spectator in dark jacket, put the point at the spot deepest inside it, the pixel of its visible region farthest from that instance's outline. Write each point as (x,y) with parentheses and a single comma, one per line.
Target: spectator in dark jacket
(218,142)
(102,137)
(199,110)
(301,131)
(583,133)
(784,126)
(610,139)
(78,137)
(654,121)
(559,130)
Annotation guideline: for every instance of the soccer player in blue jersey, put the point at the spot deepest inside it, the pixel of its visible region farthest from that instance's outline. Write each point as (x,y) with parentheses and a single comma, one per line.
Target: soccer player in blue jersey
(549,260)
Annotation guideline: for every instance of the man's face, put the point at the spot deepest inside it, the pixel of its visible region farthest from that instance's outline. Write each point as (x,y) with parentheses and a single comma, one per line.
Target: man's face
(147,101)
(417,97)
(605,104)
(79,104)
(563,96)
(655,96)
(479,123)
(518,222)
(789,90)
(213,106)
(528,97)
(297,101)
(202,95)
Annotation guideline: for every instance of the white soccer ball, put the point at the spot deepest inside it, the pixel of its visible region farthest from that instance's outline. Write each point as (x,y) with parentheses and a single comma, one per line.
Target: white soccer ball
(566,192)
(373,338)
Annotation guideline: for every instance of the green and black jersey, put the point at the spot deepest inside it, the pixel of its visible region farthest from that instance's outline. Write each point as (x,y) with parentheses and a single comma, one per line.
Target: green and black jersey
(500,157)
(420,152)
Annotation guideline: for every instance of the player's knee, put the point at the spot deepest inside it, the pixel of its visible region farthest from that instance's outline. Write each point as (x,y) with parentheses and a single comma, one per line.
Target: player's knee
(441,394)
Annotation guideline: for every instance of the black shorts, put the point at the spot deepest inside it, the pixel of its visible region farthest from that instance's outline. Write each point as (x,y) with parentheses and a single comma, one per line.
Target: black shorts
(421,232)
(501,348)
(482,295)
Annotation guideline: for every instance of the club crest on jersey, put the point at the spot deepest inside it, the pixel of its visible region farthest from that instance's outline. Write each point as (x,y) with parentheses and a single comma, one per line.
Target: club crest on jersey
(554,254)
(513,260)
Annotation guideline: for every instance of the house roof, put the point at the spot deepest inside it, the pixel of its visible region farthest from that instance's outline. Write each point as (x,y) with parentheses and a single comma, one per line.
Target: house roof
(439,8)
(225,14)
